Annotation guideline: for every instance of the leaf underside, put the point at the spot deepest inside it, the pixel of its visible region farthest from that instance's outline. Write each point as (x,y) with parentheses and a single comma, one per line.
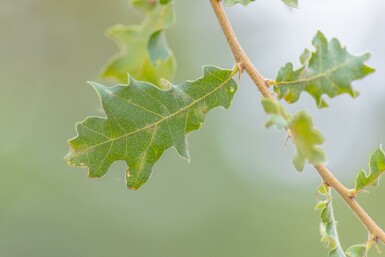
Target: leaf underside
(328,226)
(144,52)
(357,251)
(329,70)
(300,128)
(376,169)
(143,121)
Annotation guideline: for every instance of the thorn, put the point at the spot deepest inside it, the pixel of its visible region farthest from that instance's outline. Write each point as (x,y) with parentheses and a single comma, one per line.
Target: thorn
(287,140)
(267,83)
(241,68)
(288,136)
(375,239)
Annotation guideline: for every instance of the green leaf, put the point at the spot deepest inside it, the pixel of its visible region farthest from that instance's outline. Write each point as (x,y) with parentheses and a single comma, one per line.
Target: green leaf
(329,70)
(232,2)
(300,128)
(143,121)
(328,226)
(357,251)
(144,52)
(306,139)
(291,3)
(278,114)
(376,169)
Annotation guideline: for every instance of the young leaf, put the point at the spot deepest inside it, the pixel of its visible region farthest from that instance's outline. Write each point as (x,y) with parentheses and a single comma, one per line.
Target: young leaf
(376,169)
(144,52)
(330,70)
(291,3)
(306,139)
(357,251)
(143,121)
(328,227)
(232,2)
(300,128)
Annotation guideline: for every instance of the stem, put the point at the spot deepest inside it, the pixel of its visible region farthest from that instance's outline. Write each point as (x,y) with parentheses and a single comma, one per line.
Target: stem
(262,85)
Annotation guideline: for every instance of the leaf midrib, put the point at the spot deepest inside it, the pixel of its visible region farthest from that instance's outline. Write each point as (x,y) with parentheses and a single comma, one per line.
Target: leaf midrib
(164,118)
(322,74)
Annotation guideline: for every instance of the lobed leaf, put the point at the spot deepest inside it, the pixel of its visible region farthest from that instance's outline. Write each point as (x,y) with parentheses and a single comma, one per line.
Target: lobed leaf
(233,2)
(143,121)
(328,227)
(144,52)
(376,169)
(300,128)
(306,139)
(329,70)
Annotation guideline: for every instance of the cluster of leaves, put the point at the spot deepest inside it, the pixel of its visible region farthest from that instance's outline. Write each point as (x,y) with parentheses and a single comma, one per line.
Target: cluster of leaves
(146,115)
(300,129)
(328,228)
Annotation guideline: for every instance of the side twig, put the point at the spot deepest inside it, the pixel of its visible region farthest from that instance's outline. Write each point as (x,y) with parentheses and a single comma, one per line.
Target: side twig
(262,85)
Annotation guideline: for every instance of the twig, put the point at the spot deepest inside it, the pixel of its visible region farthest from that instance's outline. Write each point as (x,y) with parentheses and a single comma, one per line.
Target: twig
(263,86)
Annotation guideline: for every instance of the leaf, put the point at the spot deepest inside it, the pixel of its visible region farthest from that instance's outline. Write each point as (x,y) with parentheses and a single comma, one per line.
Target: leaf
(143,121)
(376,169)
(291,3)
(329,70)
(144,52)
(306,139)
(232,2)
(357,251)
(300,129)
(278,115)
(328,227)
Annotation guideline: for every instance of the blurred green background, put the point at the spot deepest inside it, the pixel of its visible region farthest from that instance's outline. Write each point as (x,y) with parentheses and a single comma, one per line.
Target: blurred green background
(239,196)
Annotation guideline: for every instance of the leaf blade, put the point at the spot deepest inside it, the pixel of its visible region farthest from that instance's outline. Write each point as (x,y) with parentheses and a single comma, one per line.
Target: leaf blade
(330,70)
(142,121)
(328,226)
(300,129)
(376,170)
(143,50)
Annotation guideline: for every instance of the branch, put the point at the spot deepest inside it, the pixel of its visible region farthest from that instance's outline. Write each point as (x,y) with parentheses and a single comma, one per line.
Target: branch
(244,62)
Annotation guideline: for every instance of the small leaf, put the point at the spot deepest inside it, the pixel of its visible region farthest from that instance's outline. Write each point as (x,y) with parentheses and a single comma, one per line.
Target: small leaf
(232,2)
(143,121)
(291,3)
(144,52)
(328,227)
(300,129)
(306,139)
(376,169)
(329,70)
(357,251)
(278,115)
